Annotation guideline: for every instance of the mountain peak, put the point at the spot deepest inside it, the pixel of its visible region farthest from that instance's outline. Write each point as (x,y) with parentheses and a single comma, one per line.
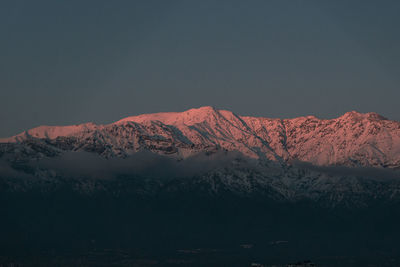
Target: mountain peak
(203,109)
(191,116)
(373,142)
(354,115)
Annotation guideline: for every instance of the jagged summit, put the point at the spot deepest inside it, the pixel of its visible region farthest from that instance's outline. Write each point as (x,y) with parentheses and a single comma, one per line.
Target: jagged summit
(354,139)
(207,113)
(190,116)
(354,115)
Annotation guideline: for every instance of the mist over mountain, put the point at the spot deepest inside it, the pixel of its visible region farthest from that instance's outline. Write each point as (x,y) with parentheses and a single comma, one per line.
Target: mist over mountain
(205,177)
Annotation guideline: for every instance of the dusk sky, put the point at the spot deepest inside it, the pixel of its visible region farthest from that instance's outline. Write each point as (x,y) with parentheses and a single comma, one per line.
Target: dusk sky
(69,62)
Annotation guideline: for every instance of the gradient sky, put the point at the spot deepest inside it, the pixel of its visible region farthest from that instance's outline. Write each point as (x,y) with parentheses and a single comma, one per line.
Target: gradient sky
(69,62)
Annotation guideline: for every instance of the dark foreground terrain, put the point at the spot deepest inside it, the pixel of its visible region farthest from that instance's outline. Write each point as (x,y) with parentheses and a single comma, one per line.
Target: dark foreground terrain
(65,228)
(82,210)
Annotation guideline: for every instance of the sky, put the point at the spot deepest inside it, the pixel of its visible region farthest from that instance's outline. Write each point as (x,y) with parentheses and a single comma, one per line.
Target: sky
(70,62)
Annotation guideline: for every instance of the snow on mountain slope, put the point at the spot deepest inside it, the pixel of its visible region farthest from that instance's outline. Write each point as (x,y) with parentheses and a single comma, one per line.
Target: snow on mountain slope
(353,139)
(52,132)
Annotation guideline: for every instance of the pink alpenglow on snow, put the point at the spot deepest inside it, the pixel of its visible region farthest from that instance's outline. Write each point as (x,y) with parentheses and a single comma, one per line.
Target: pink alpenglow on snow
(354,139)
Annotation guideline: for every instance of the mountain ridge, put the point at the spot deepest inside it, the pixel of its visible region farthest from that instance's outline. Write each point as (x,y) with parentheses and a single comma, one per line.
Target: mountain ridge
(353,139)
(353,160)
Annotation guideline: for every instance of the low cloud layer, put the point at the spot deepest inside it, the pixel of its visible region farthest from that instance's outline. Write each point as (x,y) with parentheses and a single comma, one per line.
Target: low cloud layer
(83,164)
(364,172)
(147,164)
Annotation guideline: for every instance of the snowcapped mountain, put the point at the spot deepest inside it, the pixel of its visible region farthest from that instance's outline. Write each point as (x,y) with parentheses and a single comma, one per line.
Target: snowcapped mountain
(349,160)
(353,139)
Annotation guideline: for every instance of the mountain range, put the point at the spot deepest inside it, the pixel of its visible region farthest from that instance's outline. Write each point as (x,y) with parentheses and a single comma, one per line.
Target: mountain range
(354,139)
(352,160)
(204,178)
